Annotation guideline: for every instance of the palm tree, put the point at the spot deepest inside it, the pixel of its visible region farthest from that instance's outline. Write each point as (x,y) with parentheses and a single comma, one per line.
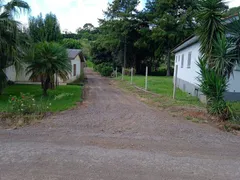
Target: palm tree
(48,59)
(218,58)
(12,39)
(210,26)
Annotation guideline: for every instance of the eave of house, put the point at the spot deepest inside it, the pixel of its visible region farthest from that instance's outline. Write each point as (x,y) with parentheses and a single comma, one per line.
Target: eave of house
(188,42)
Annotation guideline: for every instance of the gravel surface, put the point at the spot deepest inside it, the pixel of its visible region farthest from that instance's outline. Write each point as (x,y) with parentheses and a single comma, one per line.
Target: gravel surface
(114,136)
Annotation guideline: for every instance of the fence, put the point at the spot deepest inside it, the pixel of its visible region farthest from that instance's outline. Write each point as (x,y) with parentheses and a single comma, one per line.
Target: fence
(144,84)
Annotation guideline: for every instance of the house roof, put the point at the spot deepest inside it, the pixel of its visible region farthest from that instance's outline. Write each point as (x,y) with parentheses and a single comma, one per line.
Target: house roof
(73,53)
(186,43)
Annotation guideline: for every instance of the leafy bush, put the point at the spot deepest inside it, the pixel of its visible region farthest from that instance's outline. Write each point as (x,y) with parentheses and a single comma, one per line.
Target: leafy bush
(26,104)
(104,69)
(71,43)
(161,72)
(90,64)
(127,72)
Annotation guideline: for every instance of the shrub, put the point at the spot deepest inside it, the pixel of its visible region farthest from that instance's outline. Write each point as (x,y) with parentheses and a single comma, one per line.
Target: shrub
(26,104)
(104,69)
(213,87)
(90,64)
(161,72)
(127,72)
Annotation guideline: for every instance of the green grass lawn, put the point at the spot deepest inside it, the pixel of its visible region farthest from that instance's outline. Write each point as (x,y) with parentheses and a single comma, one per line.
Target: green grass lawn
(164,86)
(68,96)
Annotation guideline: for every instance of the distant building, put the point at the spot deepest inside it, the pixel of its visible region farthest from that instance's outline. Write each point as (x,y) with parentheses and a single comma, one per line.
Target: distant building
(74,55)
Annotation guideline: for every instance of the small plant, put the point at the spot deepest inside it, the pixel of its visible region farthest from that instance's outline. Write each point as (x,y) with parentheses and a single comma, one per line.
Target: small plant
(26,104)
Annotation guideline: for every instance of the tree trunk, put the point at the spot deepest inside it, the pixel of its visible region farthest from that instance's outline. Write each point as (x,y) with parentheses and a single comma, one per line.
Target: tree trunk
(169,63)
(125,52)
(46,85)
(42,82)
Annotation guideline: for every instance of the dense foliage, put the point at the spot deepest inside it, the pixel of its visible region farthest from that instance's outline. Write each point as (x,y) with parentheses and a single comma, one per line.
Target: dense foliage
(44,29)
(71,43)
(131,38)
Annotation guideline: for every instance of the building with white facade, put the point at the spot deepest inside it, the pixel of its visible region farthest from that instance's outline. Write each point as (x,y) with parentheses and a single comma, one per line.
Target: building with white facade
(74,55)
(186,57)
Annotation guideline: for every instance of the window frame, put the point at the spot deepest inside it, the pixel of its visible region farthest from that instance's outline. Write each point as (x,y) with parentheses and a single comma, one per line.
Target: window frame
(74,69)
(182,61)
(189,63)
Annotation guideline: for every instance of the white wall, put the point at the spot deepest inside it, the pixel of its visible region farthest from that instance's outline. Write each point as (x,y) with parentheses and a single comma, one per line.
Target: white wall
(76,61)
(234,82)
(11,73)
(188,74)
(22,77)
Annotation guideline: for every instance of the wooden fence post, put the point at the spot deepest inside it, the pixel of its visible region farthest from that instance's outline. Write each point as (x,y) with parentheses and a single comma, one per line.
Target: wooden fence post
(123,71)
(146,79)
(116,72)
(175,82)
(131,75)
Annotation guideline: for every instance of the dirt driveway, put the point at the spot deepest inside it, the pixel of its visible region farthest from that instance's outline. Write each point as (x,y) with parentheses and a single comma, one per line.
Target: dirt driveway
(113,136)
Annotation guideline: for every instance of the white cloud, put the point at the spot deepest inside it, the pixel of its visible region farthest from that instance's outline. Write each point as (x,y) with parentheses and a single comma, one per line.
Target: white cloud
(70,13)
(233,3)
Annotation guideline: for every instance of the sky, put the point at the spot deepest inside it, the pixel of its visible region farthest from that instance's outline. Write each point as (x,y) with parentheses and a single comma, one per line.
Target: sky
(73,14)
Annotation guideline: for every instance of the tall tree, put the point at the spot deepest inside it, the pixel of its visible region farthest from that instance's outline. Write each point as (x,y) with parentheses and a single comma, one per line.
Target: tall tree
(45,29)
(88,27)
(12,39)
(122,12)
(171,22)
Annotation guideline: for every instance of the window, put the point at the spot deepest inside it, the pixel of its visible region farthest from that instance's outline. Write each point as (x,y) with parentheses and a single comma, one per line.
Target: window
(179,57)
(189,60)
(182,63)
(176,59)
(74,70)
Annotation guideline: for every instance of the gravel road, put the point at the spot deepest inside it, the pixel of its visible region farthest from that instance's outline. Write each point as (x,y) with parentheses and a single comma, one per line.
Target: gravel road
(114,136)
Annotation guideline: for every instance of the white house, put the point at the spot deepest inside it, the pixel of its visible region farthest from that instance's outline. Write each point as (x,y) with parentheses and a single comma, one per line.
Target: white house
(74,55)
(186,57)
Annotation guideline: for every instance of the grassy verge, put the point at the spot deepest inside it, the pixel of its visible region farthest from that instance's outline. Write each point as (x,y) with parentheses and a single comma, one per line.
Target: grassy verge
(164,86)
(62,98)
(185,105)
